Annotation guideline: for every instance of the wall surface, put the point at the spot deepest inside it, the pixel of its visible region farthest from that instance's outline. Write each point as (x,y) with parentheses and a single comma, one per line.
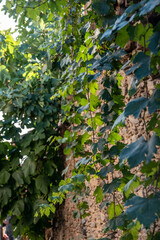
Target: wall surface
(69,228)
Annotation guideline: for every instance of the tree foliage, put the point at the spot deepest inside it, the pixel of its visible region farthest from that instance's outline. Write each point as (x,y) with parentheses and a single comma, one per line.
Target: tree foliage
(49,85)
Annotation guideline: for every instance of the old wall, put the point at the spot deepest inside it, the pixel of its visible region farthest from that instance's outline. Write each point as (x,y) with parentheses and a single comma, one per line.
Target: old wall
(69,228)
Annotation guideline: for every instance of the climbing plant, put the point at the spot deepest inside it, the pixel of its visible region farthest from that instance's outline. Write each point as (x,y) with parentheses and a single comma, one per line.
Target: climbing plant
(61,80)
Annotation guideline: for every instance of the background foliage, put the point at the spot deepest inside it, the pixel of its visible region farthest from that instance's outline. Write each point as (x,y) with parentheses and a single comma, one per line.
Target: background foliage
(49,84)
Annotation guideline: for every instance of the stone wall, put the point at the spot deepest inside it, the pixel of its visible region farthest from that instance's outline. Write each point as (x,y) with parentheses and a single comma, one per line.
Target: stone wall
(69,228)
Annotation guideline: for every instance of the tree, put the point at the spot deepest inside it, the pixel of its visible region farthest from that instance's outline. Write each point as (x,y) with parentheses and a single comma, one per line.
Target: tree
(49,81)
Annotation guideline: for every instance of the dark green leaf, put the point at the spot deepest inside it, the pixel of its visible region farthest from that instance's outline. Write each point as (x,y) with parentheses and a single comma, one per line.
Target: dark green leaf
(144,209)
(18,208)
(135,107)
(154,101)
(141,67)
(42,183)
(120,119)
(101,144)
(4,177)
(134,152)
(28,167)
(131,185)
(105,170)
(5,194)
(79,178)
(18,177)
(115,222)
(110,188)
(66,188)
(151,146)
(154,44)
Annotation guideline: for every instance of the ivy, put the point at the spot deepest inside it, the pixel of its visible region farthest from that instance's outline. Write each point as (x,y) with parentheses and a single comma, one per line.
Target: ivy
(60,80)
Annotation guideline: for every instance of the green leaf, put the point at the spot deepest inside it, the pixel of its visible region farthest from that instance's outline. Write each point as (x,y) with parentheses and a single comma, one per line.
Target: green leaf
(154,44)
(38,148)
(18,208)
(101,144)
(118,221)
(141,67)
(111,187)
(66,188)
(114,210)
(83,161)
(78,178)
(135,107)
(121,118)
(154,101)
(5,194)
(136,152)
(28,167)
(4,177)
(98,193)
(18,177)
(131,185)
(81,109)
(105,170)
(101,7)
(152,147)
(144,209)
(114,137)
(122,37)
(42,183)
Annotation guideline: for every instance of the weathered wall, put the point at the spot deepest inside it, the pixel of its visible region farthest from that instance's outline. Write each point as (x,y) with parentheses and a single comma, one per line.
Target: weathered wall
(68,228)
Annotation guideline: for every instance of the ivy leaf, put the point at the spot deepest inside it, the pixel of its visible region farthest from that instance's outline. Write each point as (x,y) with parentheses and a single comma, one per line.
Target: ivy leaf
(131,185)
(115,222)
(105,170)
(151,146)
(154,44)
(134,152)
(121,118)
(79,178)
(110,188)
(105,95)
(154,101)
(38,148)
(114,137)
(98,193)
(42,183)
(26,140)
(66,188)
(18,208)
(5,194)
(4,177)
(117,209)
(101,144)
(18,177)
(83,108)
(135,107)
(83,161)
(141,67)
(101,7)
(28,167)
(144,209)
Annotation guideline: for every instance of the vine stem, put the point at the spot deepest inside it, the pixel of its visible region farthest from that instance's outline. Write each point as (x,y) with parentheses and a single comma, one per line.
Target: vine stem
(90,106)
